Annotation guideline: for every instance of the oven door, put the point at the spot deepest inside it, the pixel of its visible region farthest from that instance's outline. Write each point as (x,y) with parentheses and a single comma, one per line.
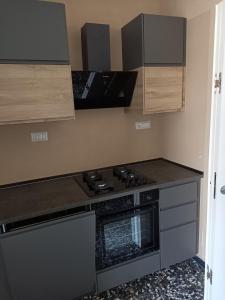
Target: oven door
(123,236)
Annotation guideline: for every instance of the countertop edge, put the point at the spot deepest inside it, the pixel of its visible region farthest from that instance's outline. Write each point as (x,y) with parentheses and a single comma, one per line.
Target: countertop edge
(106,197)
(67,175)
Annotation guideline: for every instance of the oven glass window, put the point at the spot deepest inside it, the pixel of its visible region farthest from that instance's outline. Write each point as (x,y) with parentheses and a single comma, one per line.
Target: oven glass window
(126,236)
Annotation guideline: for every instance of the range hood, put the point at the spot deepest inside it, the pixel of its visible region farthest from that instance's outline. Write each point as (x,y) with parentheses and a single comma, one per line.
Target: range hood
(103,89)
(97,86)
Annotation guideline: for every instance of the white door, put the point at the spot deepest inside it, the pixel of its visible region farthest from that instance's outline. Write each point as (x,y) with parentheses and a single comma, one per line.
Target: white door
(215,256)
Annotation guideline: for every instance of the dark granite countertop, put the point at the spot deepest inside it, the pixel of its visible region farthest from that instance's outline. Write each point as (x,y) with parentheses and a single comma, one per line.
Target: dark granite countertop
(35,198)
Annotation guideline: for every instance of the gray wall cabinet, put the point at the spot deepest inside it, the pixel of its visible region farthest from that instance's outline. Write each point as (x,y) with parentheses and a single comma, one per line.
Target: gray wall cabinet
(55,260)
(151,40)
(33,31)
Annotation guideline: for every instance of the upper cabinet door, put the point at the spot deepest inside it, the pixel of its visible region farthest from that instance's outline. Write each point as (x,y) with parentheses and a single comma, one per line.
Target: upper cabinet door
(35,93)
(164,40)
(153,40)
(132,44)
(33,31)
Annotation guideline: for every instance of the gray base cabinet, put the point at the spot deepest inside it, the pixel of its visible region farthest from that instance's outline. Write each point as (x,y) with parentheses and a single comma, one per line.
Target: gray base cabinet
(55,260)
(178,195)
(179,215)
(4,288)
(178,244)
(179,212)
(130,271)
(33,31)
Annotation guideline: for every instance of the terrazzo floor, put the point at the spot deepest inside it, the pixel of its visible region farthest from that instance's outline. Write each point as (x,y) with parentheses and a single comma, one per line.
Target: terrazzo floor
(182,281)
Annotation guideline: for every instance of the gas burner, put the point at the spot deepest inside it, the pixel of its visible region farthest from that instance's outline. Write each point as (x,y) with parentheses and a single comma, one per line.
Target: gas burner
(92,176)
(101,187)
(129,177)
(120,171)
(95,183)
(116,179)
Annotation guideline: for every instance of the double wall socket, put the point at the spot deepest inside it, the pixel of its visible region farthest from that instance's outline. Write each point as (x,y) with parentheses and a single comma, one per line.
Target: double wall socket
(143,125)
(39,136)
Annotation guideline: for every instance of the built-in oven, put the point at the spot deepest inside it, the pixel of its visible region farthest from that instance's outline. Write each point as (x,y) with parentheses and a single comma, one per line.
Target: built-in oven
(127,227)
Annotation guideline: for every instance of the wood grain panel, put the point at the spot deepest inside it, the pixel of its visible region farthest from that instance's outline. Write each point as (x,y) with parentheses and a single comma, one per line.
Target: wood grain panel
(35,93)
(163,89)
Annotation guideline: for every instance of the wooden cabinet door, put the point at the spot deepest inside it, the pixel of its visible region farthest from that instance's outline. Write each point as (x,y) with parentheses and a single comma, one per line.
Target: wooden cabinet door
(164,40)
(33,32)
(35,93)
(163,88)
(55,260)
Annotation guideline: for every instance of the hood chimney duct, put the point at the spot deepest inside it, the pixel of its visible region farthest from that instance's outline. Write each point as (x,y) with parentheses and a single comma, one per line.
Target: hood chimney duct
(96,47)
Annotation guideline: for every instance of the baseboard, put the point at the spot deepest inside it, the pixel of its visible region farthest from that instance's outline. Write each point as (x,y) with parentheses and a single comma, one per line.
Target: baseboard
(200,261)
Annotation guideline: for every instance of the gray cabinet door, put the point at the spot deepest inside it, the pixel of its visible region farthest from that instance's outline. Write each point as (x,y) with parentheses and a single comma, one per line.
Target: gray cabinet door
(178,216)
(52,261)
(164,40)
(178,195)
(132,44)
(4,287)
(154,40)
(132,270)
(33,31)
(178,244)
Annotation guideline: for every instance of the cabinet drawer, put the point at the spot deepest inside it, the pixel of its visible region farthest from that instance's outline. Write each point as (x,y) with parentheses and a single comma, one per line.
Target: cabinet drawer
(136,269)
(178,195)
(178,216)
(178,244)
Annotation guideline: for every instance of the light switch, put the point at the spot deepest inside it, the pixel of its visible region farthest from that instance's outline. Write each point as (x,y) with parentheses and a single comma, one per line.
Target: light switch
(39,136)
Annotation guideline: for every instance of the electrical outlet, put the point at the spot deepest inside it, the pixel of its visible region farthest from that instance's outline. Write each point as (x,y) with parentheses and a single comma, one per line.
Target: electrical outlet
(39,136)
(143,125)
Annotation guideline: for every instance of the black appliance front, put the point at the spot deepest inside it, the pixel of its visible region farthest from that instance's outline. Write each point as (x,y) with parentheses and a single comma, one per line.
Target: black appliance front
(127,234)
(103,89)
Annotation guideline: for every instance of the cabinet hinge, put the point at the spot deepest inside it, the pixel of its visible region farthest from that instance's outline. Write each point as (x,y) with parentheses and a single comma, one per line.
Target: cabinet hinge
(209,274)
(214,188)
(218,82)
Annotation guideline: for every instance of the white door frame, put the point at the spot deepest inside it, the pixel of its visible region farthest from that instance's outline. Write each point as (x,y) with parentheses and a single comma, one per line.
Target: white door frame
(213,189)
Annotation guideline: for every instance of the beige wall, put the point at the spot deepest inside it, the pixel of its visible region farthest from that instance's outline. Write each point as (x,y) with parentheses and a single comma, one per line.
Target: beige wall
(186,135)
(96,138)
(188,9)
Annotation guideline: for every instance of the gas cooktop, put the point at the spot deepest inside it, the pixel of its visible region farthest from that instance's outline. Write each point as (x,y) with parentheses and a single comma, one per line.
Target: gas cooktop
(115,179)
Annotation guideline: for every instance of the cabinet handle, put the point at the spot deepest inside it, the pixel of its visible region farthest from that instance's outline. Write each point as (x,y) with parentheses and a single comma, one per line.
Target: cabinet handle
(222,190)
